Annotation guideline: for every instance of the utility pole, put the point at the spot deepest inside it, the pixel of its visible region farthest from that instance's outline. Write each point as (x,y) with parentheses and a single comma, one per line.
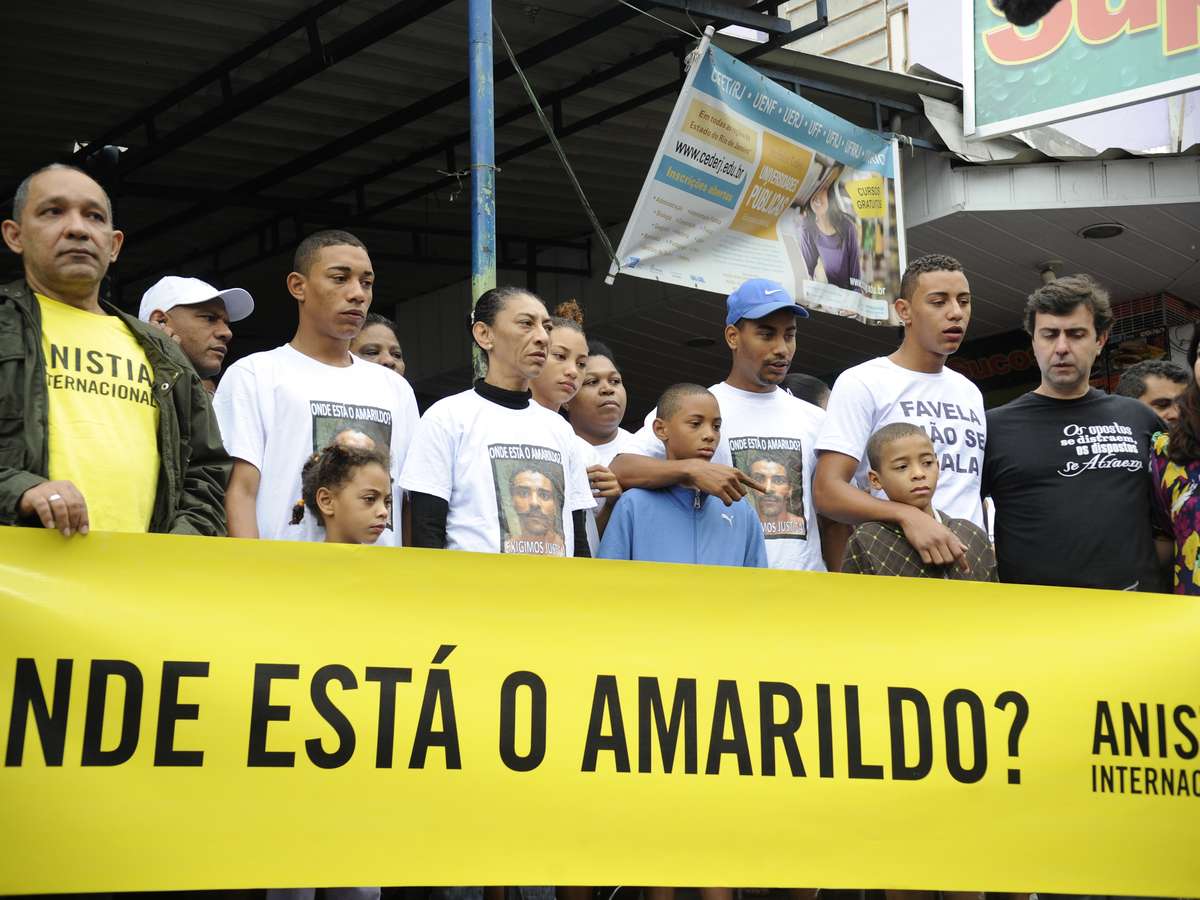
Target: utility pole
(483,161)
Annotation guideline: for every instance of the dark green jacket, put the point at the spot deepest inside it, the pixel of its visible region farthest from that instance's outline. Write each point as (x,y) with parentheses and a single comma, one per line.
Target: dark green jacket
(194,469)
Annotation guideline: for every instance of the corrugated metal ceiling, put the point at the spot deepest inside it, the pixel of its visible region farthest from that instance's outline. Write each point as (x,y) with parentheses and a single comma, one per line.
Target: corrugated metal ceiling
(383,117)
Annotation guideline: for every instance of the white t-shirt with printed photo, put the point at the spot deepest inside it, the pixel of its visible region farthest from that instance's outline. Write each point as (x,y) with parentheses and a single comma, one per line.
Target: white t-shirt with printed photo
(511,477)
(946,404)
(772,437)
(277,408)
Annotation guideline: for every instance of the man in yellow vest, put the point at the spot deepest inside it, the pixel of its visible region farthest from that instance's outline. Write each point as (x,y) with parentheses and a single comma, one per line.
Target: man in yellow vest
(103,423)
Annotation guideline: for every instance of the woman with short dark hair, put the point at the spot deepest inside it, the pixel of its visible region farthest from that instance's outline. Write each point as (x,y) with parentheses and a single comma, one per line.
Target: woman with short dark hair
(488,469)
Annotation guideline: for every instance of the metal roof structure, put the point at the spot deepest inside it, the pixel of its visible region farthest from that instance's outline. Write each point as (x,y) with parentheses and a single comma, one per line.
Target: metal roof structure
(250,123)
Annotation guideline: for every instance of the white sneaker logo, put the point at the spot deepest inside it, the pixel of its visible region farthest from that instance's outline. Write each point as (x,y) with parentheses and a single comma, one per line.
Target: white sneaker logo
(728,518)
(776,291)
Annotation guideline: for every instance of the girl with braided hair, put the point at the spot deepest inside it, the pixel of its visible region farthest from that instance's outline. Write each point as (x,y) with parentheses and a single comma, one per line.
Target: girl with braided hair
(348,488)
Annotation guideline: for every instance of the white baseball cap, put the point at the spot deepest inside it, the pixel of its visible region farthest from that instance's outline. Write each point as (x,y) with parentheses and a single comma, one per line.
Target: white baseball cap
(173,290)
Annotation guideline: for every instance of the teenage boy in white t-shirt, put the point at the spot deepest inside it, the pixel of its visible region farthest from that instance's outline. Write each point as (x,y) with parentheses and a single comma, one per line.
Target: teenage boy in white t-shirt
(911,385)
(768,437)
(278,408)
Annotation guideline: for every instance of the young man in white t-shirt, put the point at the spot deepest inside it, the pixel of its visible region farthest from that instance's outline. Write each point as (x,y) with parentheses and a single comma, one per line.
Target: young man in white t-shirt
(279,407)
(768,437)
(911,385)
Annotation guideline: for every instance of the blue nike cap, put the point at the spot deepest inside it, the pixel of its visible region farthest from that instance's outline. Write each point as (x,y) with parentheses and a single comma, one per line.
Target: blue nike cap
(760,297)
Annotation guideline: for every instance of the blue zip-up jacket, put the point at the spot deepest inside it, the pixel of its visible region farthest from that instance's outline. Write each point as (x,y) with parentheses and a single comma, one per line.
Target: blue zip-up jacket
(680,525)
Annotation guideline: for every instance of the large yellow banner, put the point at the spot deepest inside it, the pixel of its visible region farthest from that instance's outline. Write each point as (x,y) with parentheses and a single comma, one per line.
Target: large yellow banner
(188,713)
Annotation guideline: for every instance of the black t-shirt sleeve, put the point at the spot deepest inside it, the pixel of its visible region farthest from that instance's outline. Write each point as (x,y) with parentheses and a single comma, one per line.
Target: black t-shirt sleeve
(579,520)
(428,520)
(990,454)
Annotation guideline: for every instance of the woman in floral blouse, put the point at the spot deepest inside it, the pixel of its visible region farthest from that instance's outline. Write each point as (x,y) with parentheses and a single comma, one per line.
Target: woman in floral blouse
(1175,467)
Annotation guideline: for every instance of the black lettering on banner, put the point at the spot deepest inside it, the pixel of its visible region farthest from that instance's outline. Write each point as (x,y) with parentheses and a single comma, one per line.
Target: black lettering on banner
(1136,728)
(954,699)
(855,767)
(537,721)
(1020,717)
(785,731)
(901,770)
(1189,750)
(1161,719)
(437,696)
(92,753)
(319,692)
(606,703)
(824,731)
(263,712)
(728,706)
(683,716)
(170,711)
(388,677)
(49,719)
(1104,732)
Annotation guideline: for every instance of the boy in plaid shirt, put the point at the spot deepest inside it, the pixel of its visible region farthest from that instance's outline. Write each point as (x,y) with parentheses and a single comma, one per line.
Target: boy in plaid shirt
(905,467)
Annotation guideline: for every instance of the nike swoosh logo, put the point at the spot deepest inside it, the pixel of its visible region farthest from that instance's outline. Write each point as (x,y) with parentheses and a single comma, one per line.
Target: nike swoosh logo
(776,291)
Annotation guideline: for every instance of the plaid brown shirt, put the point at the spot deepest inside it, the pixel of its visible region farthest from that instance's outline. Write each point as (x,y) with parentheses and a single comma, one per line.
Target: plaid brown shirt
(879,549)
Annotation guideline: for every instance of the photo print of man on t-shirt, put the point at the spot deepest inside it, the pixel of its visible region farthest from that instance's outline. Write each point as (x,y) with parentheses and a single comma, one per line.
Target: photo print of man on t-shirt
(778,464)
(529,499)
(364,427)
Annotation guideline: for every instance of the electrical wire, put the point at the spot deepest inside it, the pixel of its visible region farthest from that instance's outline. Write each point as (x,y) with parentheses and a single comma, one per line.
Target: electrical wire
(562,156)
(651,15)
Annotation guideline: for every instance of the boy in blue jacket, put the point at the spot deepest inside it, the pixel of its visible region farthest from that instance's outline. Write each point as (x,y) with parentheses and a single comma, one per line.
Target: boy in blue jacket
(678,524)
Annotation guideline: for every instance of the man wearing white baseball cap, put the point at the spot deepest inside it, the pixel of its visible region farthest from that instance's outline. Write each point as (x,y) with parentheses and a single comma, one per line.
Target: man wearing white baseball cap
(197,317)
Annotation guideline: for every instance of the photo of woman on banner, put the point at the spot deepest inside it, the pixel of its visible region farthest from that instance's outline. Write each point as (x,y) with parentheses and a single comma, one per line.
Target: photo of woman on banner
(829,237)
(821,235)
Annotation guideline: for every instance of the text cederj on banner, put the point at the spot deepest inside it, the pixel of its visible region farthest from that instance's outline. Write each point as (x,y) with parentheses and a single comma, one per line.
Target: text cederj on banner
(751,180)
(183,713)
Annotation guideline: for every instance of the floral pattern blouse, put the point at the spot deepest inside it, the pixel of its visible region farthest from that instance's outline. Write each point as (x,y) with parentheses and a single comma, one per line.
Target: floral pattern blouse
(1177,511)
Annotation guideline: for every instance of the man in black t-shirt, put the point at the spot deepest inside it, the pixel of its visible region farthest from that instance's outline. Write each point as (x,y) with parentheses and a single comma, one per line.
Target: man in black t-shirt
(1066,465)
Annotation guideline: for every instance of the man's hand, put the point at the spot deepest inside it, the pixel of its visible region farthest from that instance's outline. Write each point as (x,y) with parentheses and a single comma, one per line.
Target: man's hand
(604,483)
(58,504)
(934,541)
(726,483)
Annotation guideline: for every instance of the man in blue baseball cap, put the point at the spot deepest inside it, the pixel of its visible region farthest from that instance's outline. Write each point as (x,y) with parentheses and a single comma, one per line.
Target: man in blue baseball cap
(768,437)
(758,298)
